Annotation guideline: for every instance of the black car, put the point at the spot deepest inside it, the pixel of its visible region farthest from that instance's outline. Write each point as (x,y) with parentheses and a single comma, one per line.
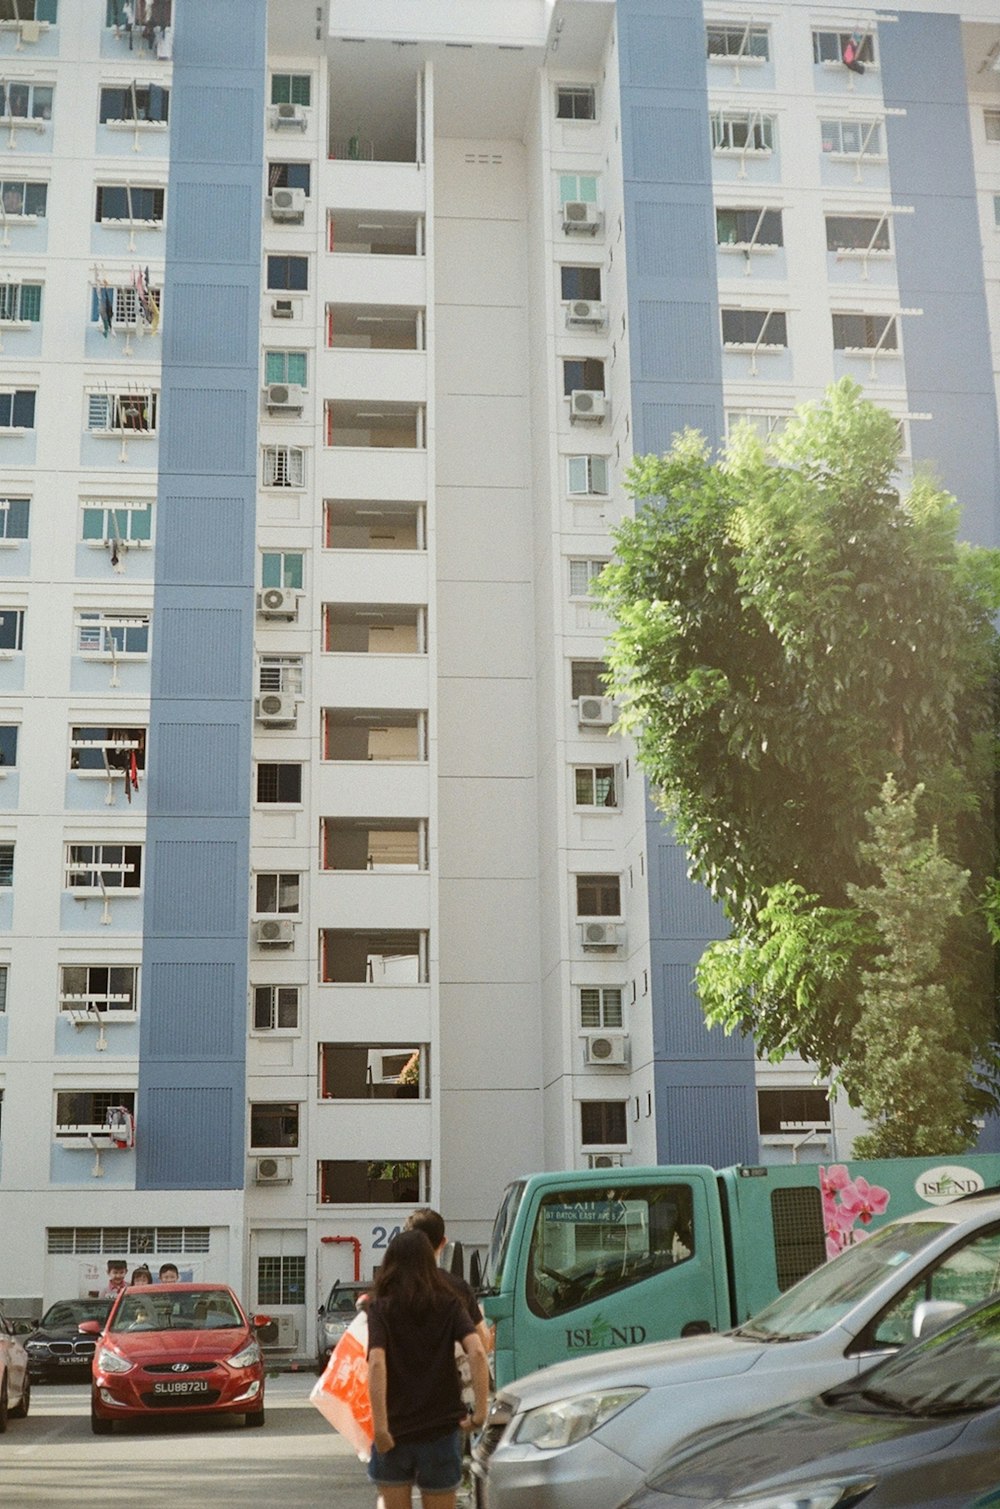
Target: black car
(919,1431)
(56,1348)
(335,1316)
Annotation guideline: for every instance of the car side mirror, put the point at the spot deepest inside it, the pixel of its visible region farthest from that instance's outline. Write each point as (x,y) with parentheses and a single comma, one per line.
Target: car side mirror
(931,1315)
(90,1327)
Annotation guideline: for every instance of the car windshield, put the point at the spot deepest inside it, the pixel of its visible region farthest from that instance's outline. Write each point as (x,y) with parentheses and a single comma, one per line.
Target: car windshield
(948,1373)
(200,1310)
(71,1312)
(342,1301)
(824,1297)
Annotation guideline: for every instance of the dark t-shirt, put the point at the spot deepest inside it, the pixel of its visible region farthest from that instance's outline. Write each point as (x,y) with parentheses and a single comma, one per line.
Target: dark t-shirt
(422,1395)
(465,1294)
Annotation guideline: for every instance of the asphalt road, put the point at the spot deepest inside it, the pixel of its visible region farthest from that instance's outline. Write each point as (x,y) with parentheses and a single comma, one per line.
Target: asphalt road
(295,1462)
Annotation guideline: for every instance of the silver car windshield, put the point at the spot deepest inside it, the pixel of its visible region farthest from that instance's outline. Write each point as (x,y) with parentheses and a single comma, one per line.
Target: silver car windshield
(824,1297)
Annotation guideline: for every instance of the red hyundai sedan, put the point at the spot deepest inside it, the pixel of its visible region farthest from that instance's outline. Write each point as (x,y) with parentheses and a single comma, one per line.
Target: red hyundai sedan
(174,1349)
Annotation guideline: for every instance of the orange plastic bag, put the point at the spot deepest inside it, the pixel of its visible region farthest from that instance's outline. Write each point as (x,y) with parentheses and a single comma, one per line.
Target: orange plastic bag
(341,1394)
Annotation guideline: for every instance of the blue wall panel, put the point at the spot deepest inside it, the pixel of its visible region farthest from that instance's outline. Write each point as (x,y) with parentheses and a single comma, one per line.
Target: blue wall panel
(191,1103)
(705,1093)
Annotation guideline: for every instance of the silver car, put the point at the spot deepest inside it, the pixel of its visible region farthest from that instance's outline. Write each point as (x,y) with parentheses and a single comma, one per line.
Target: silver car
(583,1434)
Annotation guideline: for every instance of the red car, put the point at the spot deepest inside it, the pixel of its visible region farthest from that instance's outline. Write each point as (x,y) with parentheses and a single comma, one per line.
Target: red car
(173,1349)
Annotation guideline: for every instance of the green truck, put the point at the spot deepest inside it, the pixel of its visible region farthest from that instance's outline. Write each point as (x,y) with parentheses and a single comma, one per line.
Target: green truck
(600,1258)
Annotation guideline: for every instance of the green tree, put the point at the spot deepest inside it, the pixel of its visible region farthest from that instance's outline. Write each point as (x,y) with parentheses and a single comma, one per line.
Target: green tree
(788,631)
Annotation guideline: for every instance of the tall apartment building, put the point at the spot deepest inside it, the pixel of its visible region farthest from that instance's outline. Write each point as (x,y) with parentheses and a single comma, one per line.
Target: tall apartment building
(328,334)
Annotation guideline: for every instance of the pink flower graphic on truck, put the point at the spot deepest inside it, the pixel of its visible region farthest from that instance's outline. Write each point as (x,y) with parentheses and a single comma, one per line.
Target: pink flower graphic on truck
(846,1202)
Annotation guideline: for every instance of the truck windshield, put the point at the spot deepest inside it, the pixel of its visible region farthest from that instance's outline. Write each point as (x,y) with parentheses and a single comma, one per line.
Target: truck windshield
(824,1296)
(500,1240)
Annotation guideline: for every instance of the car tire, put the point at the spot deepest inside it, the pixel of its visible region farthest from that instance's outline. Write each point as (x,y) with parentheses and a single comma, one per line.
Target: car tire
(98,1425)
(254,1417)
(3,1406)
(22,1409)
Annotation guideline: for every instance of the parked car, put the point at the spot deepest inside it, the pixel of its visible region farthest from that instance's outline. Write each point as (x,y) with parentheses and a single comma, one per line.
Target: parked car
(585,1433)
(15,1381)
(919,1431)
(57,1347)
(176,1349)
(335,1316)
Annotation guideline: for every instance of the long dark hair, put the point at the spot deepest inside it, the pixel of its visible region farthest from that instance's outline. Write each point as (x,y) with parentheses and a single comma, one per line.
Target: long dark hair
(409,1277)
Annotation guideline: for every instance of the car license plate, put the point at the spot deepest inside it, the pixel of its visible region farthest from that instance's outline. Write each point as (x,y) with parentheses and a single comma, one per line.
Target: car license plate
(182,1386)
(73,1362)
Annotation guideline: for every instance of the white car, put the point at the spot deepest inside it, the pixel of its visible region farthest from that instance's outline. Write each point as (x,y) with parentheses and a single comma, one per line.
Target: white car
(15,1384)
(583,1434)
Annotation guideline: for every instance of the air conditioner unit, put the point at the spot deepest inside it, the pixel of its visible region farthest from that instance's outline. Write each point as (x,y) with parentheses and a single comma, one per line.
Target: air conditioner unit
(276,710)
(607,1048)
(284,398)
(288,204)
(581,218)
(281,1333)
(282,309)
(274,932)
(604,1160)
(587,405)
(586,312)
(277,602)
(289,115)
(274,1171)
(602,935)
(595,712)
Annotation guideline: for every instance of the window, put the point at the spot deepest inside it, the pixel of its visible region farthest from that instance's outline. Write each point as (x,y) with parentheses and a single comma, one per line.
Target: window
(578,187)
(587,374)
(368,1071)
(135,102)
(128,203)
(114,1240)
(276,894)
(282,568)
(754,327)
(991,124)
(587,476)
(290,89)
(743,131)
(8,746)
(281,1280)
(17,409)
(598,896)
(103,867)
(799,1104)
(864,332)
(373,956)
(275,1008)
(135,413)
(125,307)
(280,673)
(20,303)
(601,1006)
(11,629)
(595,785)
(287,175)
(79,1112)
(576,102)
(4,972)
(862,138)
(996,210)
(279,783)
(582,575)
(274,1124)
(107,749)
(111,636)
(98,987)
(14,516)
(25,101)
(857,233)
(125,521)
(283,466)
(763,422)
(738,42)
(385,1182)
(602,1123)
(587,678)
(828,47)
(28,10)
(750,227)
(23,199)
(285,366)
(580,283)
(285,274)
(6,866)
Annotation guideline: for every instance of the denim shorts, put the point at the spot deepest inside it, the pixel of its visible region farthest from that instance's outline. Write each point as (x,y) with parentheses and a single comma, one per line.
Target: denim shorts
(435,1465)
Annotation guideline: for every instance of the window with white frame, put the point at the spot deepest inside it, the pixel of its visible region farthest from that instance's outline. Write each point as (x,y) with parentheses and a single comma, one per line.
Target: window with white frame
(20,198)
(275,1008)
(742,131)
(587,476)
(865,332)
(851,138)
(583,374)
(580,188)
(4,974)
(21,99)
(274,1124)
(735,42)
(285,367)
(576,102)
(110,988)
(598,896)
(17,409)
(582,576)
(755,226)
(279,782)
(996,210)
(6,866)
(20,303)
(11,629)
(16,11)
(580,282)
(766,422)
(601,1006)
(277,894)
(288,175)
(82,1113)
(283,466)
(125,306)
(112,636)
(280,673)
(123,521)
(134,102)
(287,274)
(991,124)
(291,89)
(833,46)
(132,411)
(282,568)
(15,515)
(95,747)
(587,678)
(603,1123)
(102,867)
(128,204)
(864,233)
(596,786)
(754,327)
(8,746)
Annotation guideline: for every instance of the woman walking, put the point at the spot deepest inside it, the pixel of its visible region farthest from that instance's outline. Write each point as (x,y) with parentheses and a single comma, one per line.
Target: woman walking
(414,1322)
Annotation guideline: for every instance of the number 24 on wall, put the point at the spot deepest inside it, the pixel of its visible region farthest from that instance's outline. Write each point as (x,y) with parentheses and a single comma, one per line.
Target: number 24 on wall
(383,1235)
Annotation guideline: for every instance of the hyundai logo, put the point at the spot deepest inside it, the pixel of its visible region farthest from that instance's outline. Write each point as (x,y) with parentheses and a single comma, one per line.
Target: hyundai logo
(180,1367)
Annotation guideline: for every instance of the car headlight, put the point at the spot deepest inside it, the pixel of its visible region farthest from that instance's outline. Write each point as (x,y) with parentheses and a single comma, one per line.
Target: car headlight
(568,1420)
(811,1496)
(246,1356)
(334,1329)
(110,1362)
(36,1346)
